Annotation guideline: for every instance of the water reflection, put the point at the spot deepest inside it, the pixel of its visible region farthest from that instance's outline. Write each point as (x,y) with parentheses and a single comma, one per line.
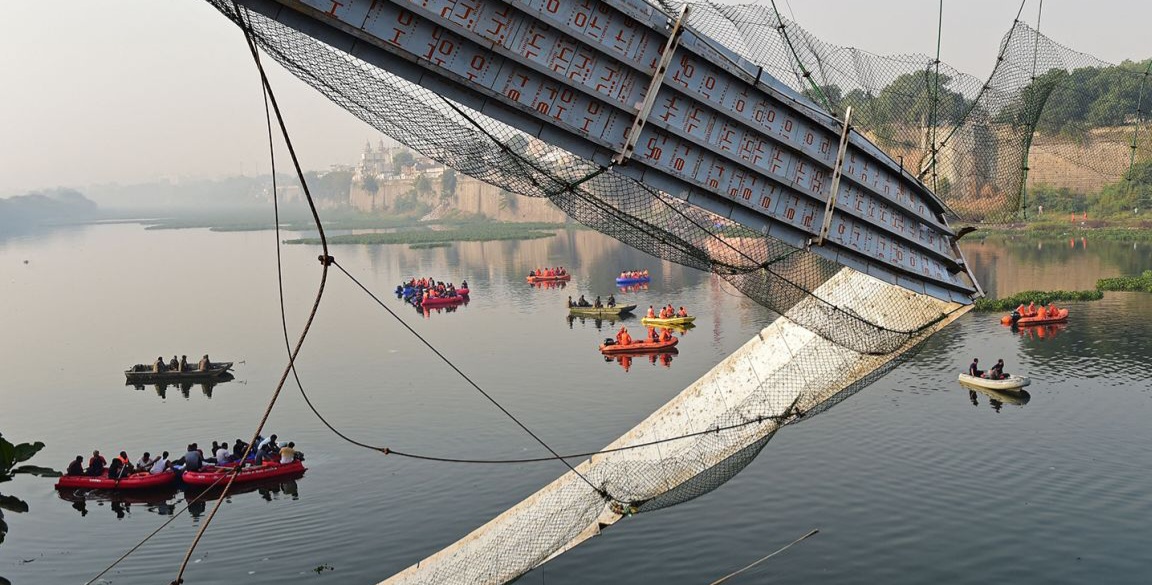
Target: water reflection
(663,358)
(185,388)
(166,501)
(427,312)
(627,288)
(1040,332)
(549,284)
(597,322)
(996,398)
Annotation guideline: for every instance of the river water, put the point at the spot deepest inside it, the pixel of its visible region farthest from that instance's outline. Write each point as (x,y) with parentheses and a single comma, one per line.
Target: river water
(913,480)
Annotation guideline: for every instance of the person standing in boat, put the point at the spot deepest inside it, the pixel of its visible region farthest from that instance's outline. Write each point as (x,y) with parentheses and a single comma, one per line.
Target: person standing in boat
(598,304)
(174,365)
(611,300)
(158,365)
(204,365)
(183,363)
(193,459)
(974,369)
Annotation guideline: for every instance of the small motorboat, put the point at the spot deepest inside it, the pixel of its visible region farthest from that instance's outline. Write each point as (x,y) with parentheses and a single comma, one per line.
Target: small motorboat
(670,322)
(1011,382)
(211,475)
(601,311)
(442,301)
(626,280)
(136,481)
(638,347)
(1041,318)
(553,278)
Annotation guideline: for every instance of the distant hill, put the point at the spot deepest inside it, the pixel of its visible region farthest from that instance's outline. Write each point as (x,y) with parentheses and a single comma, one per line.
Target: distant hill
(43,208)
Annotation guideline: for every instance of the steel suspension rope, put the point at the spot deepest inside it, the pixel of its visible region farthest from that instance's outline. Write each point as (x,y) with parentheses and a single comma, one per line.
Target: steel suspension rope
(325,261)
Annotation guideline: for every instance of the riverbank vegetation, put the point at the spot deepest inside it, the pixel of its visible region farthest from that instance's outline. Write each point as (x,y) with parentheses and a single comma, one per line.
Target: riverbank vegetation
(1039,297)
(1142,283)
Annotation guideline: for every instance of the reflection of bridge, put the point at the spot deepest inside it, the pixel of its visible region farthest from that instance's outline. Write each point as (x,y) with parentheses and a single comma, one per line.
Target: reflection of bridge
(627,86)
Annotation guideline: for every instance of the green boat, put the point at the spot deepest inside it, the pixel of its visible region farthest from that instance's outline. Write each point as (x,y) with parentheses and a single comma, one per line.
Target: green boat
(601,311)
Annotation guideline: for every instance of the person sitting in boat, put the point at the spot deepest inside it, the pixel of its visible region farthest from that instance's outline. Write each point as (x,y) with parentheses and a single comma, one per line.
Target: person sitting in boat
(223,454)
(288,453)
(96,464)
(570,305)
(583,302)
(665,335)
(160,465)
(598,304)
(651,312)
(611,300)
(158,365)
(997,371)
(1031,309)
(115,469)
(183,363)
(238,449)
(653,335)
(682,312)
(205,364)
(174,365)
(145,462)
(623,337)
(193,459)
(463,284)
(76,467)
(974,369)
(1052,310)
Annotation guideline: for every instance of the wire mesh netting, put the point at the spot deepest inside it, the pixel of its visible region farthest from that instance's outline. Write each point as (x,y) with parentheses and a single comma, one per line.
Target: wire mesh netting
(841,330)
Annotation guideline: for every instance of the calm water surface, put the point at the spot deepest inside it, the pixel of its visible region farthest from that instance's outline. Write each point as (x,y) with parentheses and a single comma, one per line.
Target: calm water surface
(913,480)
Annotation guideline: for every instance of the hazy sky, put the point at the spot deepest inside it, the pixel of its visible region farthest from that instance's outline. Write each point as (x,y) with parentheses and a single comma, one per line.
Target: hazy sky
(135,90)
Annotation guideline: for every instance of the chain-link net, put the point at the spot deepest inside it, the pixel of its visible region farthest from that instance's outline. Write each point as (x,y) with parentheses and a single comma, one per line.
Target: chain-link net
(970,140)
(840,329)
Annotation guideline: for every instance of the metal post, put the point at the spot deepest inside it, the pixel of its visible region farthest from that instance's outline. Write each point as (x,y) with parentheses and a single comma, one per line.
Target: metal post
(831,204)
(653,88)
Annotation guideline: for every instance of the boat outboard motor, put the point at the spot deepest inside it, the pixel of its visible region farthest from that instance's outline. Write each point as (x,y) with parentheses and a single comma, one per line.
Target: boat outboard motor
(1015,317)
(609,341)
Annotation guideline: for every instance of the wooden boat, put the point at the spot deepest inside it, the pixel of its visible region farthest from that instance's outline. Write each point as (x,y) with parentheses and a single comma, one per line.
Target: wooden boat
(639,347)
(553,278)
(142,373)
(1039,319)
(673,321)
(136,481)
(601,311)
(1012,382)
(633,280)
(211,474)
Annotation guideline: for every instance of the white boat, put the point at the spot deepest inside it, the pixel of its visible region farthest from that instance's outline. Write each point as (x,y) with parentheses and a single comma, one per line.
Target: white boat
(1012,382)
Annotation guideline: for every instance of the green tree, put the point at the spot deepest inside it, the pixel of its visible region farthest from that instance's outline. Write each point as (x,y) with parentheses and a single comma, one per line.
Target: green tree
(447,184)
(402,159)
(10,455)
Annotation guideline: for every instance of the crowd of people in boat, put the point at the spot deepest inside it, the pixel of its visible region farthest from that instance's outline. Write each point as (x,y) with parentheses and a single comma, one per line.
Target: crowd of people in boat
(553,272)
(180,365)
(430,288)
(666,312)
(655,335)
(1033,311)
(220,455)
(996,372)
(583,302)
(634,275)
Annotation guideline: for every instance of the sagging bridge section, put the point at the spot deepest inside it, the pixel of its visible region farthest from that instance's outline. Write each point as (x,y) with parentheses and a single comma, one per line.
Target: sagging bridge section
(631,87)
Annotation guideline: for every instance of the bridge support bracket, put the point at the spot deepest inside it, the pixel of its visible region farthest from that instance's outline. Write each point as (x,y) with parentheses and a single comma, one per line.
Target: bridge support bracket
(653,89)
(830,205)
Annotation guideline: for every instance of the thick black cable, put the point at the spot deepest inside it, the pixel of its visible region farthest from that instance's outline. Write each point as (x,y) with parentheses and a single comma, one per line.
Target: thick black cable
(469,380)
